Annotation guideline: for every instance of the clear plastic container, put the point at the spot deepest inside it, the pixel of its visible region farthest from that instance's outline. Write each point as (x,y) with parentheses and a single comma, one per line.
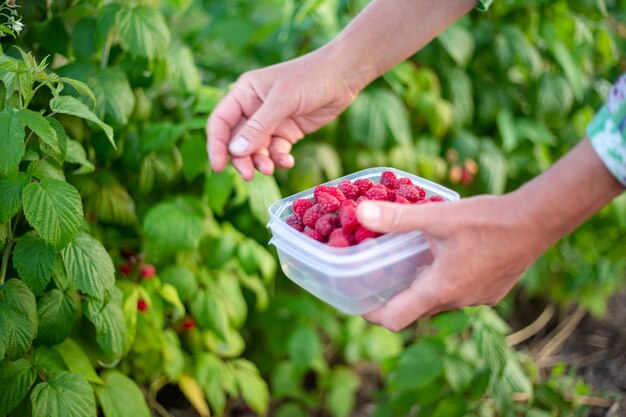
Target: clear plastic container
(359,278)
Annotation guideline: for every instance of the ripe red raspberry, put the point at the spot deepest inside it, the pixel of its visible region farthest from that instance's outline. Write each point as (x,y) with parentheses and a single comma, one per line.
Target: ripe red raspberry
(142,305)
(334,191)
(409,192)
(377,192)
(361,199)
(404,181)
(327,203)
(437,199)
(349,190)
(313,234)
(340,232)
(147,271)
(362,233)
(125,269)
(347,217)
(326,224)
(389,180)
(311,216)
(189,323)
(300,206)
(295,222)
(391,195)
(421,192)
(363,185)
(338,239)
(401,200)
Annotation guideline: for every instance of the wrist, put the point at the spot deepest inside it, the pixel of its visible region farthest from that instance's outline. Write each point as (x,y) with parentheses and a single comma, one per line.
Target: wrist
(354,68)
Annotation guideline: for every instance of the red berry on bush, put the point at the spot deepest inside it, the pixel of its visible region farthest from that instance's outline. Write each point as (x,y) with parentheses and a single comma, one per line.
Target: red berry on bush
(189,323)
(147,271)
(363,184)
(142,305)
(300,206)
(350,190)
(327,202)
(313,234)
(295,222)
(125,269)
(311,215)
(389,179)
(326,224)
(377,193)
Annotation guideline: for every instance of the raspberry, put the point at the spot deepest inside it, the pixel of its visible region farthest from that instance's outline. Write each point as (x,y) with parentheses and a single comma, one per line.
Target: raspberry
(363,185)
(391,195)
(347,217)
(361,199)
(326,224)
(295,222)
(339,239)
(362,233)
(437,199)
(189,323)
(404,181)
(327,202)
(311,216)
(349,190)
(313,234)
(377,192)
(421,191)
(409,192)
(401,200)
(389,180)
(125,269)
(334,191)
(147,271)
(300,206)
(142,305)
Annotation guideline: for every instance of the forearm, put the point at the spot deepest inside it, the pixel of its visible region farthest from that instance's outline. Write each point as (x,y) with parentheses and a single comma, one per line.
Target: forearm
(389,31)
(563,197)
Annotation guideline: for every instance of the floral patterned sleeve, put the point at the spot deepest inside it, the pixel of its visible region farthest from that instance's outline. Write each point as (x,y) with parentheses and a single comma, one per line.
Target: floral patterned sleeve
(607,131)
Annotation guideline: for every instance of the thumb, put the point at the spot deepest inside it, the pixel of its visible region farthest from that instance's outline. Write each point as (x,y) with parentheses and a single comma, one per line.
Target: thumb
(258,130)
(390,217)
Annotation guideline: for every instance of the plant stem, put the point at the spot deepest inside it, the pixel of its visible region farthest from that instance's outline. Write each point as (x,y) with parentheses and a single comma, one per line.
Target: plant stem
(105,52)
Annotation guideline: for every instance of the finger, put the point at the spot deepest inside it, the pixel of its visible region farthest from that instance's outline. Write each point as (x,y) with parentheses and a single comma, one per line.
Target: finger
(409,305)
(245,167)
(258,130)
(390,217)
(263,162)
(280,152)
(220,126)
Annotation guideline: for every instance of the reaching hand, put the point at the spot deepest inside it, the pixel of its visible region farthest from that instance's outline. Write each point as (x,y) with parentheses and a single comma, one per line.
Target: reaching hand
(270,109)
(481,247)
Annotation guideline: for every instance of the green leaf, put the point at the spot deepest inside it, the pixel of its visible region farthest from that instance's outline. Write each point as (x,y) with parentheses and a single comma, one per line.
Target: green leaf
(572,70)
(84,38)
(195,160)
(48,362)
(254,257)
(34,260)
(115,98)
(506,128)
(11,141)
(58,312)
(106,19)
(173,227)
(173,357)
(451,407)
(142,31)
(491,347)
(252,387)
(42,128)
(161,136)
(4,232)
(45,168)
(77,360)
(304,346)
(193,392)
(76,155)
(458,42)
(89,266)
(61,136)
(11,195)
(18,319)
(480,383)
(169,294)
(108,319)
(64,395)
(458,373)
(182,71)
(451,322)
(210,312)
(419,365)
(73,107)
(181,278)
(131,298)
(380,344)
(214,378)
(254,284)
(342,395)
(54,209)
(493,168)
(120,396)
(262,191)
(111,203)
(219,187)
(16,378)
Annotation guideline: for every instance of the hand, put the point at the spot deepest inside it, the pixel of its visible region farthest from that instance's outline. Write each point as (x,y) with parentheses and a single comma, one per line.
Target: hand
(270,109)
(481,248)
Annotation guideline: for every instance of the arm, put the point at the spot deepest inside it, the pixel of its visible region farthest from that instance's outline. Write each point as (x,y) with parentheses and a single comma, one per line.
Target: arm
(483,245)
(270,109)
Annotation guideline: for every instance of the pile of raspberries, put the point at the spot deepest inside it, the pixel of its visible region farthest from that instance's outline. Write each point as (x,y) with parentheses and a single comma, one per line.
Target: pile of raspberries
(331,216)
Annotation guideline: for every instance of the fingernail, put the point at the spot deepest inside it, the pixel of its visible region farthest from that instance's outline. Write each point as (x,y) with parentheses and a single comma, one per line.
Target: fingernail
(370,212)
(239,145)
